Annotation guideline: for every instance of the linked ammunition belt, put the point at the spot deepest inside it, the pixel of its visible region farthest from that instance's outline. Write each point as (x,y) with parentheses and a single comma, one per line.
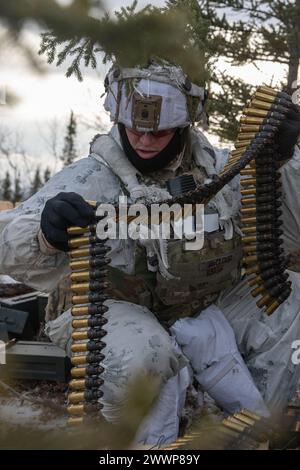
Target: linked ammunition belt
(244,430)
(261,197)
(257,160)
(88,273)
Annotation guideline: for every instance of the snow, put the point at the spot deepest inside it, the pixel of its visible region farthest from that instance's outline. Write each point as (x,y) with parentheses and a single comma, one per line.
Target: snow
(4,279)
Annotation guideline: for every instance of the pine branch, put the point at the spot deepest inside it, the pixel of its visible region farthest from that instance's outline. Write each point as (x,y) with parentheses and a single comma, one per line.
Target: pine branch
(68,49)
(240,7)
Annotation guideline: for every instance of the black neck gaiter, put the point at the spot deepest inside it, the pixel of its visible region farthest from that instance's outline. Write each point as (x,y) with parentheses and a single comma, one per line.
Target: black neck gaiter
(160,160)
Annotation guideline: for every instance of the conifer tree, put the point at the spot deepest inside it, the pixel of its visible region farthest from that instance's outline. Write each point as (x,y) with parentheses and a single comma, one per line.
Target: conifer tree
(18,193)
(6,188)
(266,31)
(69,150)
(47,174)
(37,182)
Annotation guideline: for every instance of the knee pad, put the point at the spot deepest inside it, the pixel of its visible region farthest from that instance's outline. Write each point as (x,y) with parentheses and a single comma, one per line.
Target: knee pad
(208,342)
(230,384)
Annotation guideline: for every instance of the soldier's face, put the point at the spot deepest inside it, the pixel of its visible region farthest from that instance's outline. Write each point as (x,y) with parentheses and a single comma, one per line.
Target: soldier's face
(148,144)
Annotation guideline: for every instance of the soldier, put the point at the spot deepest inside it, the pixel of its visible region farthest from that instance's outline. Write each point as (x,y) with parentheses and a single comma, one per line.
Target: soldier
(181,315)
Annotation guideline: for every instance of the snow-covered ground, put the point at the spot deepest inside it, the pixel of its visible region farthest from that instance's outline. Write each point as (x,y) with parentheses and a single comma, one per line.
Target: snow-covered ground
(4,279)
(31,409)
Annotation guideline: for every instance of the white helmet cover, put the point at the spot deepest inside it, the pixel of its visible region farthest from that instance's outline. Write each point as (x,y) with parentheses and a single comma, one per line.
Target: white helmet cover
(154,98)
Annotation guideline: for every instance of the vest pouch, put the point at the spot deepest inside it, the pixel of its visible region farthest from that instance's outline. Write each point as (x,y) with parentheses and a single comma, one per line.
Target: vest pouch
(137,286)
(203,274)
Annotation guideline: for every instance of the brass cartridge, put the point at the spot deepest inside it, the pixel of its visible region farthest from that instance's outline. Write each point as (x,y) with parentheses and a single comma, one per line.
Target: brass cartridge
(265,97)
(75,421)
(250,414)
(87,395)
(252,120)
(261,104)
(94,204)
(80,230)
(233,420)
(77,384)
(82,241)
(248,201)
(250,259)
(245,136)
(79,360)
(85,287)
(264,256)
(272,307)
(83,360)
(79,288)
(242,145)
(234,426)
(250,128)
(267,90)
(82,335)
(80,409)
(95,250)
(88,346)
(236,153)
(252,221)
(254,270)
(264,300)
(248,191)
(75,409)
(245,419)
(80,372)
(86,322)
(91,262)
(82,384)
(256,112)
(89,310)
(258,290)
(248,181)
(91,297)
(250,248)
(76,397)
(248,172)
(258,209)
(87,275)
(80,311)
(257,280)
(80,347)
(251,229)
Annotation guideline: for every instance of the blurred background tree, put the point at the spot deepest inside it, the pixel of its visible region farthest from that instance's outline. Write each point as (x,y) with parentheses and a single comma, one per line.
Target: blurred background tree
(47,174)
(69,152)
(37,181)
(266,31)
(6,188)
(192,33)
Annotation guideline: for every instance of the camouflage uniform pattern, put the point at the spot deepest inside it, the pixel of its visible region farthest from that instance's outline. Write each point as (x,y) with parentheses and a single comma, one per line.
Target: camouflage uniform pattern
(264,342)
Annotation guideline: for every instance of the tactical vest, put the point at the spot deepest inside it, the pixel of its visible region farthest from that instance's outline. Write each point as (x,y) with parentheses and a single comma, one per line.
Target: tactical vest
(195,277)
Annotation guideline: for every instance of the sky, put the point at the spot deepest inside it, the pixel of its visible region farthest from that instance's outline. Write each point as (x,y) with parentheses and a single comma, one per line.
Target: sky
(44,98)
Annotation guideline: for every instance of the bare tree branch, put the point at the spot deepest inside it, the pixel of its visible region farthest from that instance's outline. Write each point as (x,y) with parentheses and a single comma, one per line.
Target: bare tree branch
(52,137)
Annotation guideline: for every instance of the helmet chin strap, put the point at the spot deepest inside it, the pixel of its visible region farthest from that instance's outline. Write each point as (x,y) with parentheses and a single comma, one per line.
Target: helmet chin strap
(162,159)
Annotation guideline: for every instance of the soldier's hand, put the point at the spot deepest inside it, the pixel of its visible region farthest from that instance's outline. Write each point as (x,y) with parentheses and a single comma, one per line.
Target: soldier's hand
(289,132)
(63,211)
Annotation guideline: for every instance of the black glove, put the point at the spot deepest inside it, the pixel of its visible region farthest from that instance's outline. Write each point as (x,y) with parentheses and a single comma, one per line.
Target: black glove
(63,211)
(288,133)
